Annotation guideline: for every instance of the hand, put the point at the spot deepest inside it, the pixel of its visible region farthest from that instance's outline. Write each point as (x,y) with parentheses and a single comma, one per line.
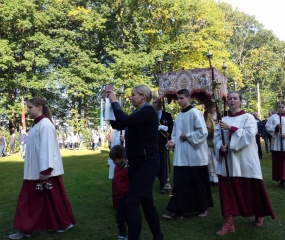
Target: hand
(282,135)
(183,137)
(224,148)
(224,125)
(162,128)
(112,96)
(43,177)
(170,144)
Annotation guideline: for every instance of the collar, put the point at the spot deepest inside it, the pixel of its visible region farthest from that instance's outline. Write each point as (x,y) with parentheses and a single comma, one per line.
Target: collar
(36,120)
(187,109)
(241,112)
(145,105)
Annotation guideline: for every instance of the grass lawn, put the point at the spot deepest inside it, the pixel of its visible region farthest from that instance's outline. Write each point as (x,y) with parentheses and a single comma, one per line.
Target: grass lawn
(89,191)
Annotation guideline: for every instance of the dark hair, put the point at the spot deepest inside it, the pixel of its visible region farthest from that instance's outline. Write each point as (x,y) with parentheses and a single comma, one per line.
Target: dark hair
(117,151)
(36,101)
(238,93)
(184,91)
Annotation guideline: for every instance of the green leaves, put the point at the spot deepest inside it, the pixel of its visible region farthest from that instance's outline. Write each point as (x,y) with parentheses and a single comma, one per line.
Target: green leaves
(73,48)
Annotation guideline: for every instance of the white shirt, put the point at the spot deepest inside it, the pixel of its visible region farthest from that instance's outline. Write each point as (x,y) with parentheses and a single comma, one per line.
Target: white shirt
(115,141)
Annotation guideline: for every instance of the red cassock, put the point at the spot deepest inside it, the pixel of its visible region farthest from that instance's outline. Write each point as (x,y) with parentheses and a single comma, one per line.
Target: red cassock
(244,197)
(47,209)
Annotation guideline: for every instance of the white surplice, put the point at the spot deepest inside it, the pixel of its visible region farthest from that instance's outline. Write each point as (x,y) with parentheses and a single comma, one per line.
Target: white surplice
(192,152)
(42,151)
(243,160)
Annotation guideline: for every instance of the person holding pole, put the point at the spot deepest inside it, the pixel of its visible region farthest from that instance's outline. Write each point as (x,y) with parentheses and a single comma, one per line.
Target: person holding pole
(240,179)
(164,131)
(276,128)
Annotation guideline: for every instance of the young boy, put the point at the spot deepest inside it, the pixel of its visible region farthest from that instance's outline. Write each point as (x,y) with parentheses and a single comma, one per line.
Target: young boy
(190,163)
(120,185)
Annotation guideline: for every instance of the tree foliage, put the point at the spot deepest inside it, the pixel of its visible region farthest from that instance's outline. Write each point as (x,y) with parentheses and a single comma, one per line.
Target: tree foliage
(65,51)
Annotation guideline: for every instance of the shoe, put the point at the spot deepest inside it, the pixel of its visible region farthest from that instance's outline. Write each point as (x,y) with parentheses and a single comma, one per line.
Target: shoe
(64,230)
(173,216)
(228,226)
(120,237)
(258,221)
(19,235)
(203,214)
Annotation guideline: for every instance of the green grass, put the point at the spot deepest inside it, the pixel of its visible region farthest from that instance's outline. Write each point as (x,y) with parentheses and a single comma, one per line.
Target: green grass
(89,191)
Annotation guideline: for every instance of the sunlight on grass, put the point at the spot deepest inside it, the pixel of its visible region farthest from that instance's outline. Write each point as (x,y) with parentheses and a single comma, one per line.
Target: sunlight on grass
(89,191)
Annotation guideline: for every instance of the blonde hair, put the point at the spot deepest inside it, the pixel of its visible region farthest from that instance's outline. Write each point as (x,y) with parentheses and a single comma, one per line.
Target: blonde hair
(144,90)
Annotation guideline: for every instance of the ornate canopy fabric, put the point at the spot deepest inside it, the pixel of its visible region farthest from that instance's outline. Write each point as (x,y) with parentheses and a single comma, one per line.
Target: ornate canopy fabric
(197,81)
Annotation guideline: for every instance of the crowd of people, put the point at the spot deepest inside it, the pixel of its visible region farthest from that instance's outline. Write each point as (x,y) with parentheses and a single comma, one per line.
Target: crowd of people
(16,142)
(207,150)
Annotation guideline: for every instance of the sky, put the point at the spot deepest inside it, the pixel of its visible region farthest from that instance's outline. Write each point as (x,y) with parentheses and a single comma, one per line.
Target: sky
(270,13)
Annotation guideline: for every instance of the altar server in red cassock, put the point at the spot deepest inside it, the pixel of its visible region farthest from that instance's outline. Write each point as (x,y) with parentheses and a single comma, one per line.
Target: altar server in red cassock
(241,188)
(46,207)
(275,126)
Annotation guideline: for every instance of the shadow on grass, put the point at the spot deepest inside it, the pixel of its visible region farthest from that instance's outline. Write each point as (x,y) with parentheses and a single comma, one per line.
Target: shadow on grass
(89,191)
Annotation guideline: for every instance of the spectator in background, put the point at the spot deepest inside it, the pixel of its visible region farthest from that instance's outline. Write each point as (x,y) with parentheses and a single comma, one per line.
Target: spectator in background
(65,141)
(60,141)
(2,145)
(265,135)
(12,142)
(80,140)
(22,138)
(68,140)
(258,134)
(102,139)
(74,141)
(94,139)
